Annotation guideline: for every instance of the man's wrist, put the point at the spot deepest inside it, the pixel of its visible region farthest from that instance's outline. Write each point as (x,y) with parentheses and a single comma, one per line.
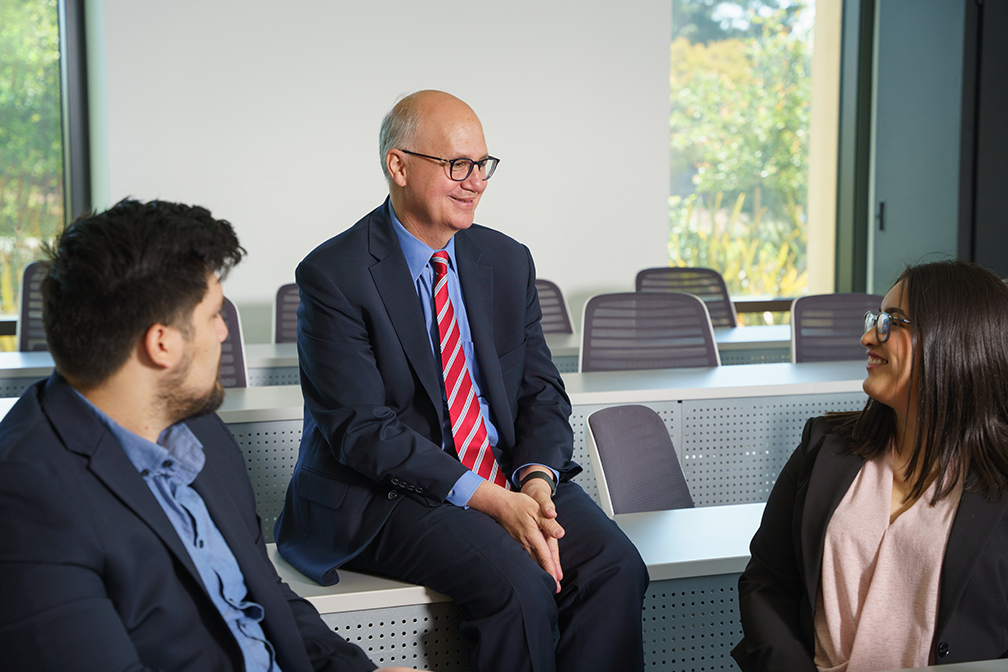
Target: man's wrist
(544,475)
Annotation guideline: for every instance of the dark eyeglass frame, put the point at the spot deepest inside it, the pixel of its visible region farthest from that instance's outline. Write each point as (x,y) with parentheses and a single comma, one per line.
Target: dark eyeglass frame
(494,161)
(883,323)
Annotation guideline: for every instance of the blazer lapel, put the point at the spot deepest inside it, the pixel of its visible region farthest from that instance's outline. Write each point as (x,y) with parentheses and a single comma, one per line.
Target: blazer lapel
(83,433)
(833,471)
(477,290)
(974,523)
(391,277)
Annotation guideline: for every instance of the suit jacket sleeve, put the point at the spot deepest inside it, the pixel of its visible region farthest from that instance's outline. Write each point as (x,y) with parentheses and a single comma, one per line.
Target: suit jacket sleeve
(772,587)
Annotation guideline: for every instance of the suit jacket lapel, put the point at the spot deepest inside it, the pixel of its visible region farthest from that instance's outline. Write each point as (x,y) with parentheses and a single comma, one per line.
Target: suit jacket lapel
(83,433)
(974,523)
(477,290)
(391,277)
(833,471)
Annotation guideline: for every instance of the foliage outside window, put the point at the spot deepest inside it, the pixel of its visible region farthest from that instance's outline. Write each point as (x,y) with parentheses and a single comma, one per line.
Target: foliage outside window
(740,90)
(31,145)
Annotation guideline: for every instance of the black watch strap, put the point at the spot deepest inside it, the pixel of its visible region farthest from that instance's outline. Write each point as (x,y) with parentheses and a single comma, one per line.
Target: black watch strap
(544,475)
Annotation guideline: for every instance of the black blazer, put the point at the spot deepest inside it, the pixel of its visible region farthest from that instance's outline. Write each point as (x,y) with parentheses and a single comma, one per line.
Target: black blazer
(372,387)
(93,577)
(778,589)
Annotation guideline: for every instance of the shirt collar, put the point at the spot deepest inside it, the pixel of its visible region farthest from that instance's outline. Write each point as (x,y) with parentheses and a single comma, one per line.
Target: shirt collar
(177,454)
(417,252)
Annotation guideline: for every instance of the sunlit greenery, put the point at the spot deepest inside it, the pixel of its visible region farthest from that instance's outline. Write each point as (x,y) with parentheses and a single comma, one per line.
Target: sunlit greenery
(739,146)
(31,156)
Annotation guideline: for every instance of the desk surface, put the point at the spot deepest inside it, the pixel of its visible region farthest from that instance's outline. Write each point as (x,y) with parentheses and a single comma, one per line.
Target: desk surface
(743,380)
(277,355)
(25,364)
(284,402)
(684,543)
(674,544)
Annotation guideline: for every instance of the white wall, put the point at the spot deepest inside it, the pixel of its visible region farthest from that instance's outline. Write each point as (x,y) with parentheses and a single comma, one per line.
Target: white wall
(267,113)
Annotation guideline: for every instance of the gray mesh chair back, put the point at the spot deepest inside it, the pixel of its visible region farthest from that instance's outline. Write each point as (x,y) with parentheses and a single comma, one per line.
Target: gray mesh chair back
(637,330)
(30,329)
(635,463)
(828,327)
(705,283)
(556,318)
(285,314)
(232,369)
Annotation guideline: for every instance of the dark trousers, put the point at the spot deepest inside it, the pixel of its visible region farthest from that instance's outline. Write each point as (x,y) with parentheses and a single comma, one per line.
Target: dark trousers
(509,604)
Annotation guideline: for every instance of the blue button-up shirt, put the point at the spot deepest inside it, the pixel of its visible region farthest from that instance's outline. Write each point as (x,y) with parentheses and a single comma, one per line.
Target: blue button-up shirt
(418,256)
(169,467)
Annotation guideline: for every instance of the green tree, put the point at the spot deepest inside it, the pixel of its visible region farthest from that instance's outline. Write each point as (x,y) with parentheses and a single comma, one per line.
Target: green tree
(31,153)
(739,151)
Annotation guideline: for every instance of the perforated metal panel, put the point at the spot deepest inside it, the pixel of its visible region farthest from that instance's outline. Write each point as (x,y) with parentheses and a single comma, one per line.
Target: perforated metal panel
(280,375)
(734,449)
(755,356)
(421,636)
(566,364)
(691,625)
(688,625)
(14,387)
(270,450)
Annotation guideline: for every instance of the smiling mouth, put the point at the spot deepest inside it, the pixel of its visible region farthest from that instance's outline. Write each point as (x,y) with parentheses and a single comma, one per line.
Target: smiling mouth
(874,359)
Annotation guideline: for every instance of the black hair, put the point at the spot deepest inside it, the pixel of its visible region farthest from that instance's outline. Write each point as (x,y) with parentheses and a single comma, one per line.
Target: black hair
(114,274)
(959,316)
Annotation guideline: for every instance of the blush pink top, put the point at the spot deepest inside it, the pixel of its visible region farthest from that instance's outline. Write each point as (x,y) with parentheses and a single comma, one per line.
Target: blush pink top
(878,596)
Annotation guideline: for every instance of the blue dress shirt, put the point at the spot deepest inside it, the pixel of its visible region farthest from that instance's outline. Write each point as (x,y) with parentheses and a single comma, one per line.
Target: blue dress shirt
(168,468)
(418,256)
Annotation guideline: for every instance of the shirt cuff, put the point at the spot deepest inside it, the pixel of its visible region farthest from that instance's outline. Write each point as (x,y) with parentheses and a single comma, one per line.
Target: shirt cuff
(463,489)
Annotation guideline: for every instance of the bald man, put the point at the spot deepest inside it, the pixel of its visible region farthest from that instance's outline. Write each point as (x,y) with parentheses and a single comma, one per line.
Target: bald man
(436,446)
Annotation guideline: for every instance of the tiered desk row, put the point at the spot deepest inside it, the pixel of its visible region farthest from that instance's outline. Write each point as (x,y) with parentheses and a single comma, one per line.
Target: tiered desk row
(733,428)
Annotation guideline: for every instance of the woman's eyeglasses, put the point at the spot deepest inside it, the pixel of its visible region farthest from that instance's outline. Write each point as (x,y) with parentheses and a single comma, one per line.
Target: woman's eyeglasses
(883,323)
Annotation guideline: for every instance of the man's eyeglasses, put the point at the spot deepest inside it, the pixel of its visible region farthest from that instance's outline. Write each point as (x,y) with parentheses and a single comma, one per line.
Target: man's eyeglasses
(883,323)
(459,170)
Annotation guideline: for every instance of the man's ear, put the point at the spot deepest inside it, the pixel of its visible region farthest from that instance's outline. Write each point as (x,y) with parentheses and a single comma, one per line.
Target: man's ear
(396,166)
(162,345)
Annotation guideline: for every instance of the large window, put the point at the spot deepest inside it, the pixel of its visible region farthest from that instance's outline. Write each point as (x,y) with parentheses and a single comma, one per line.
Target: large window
(31,144)
(740,129)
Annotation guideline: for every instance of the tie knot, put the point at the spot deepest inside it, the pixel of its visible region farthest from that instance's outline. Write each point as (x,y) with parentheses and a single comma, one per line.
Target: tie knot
(440,263)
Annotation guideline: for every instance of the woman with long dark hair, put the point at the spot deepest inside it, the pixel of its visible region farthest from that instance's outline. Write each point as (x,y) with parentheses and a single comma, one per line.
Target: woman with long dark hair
(884,543)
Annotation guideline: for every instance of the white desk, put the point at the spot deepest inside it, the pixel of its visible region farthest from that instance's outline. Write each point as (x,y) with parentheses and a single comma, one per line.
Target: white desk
(733,427)
(277,363)
(18,370)
(267,364)
(690,612)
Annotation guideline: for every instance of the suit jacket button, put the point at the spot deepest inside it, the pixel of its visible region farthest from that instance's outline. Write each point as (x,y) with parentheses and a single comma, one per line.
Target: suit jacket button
(943,649)
(392,494)
(419,490)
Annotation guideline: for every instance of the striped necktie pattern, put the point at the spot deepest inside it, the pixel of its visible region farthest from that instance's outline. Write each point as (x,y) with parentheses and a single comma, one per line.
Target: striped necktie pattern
(468,429)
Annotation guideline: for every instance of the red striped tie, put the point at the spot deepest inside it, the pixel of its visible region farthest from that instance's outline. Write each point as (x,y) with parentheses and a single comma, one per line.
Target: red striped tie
(468,430)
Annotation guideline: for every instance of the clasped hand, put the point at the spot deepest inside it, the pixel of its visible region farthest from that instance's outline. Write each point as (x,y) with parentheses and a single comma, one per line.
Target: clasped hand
(529,516)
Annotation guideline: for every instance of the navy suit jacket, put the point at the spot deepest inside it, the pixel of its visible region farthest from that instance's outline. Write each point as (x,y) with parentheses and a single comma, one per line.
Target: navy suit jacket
(372,386)
(778,589)
(93,577)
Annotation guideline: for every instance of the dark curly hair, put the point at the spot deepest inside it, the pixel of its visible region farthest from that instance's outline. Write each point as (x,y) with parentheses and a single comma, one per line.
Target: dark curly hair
(114,274)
